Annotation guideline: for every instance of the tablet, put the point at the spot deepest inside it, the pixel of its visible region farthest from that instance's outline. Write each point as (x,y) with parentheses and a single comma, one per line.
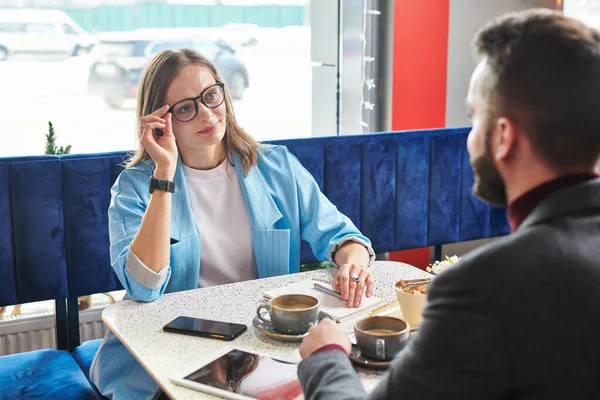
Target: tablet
(236,373)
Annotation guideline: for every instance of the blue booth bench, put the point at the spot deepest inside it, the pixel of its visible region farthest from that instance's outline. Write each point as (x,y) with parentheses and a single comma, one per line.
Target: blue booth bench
(402,189)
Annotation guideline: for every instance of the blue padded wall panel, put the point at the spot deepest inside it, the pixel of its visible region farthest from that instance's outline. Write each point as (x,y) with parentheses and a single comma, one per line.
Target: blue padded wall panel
(311,155)
(86,199)
(444,196)
(28,159)
(342,176)
(116,166)
(378,195)
(474,214)
(117,160)
(8,281)
(38,229)
(306,254)
(412,191)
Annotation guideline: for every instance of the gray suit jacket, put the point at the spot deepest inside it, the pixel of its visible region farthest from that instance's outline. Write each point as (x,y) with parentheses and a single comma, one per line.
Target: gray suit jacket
(516,319)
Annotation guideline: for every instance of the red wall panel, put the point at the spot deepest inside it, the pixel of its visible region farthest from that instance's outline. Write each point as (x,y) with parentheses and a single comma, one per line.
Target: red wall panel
(420,62)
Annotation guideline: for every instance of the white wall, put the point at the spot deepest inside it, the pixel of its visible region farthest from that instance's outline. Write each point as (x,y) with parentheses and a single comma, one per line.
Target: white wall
(466,17)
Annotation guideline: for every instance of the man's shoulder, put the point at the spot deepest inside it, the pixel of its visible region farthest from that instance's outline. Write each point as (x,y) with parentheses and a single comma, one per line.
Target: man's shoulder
(512,267)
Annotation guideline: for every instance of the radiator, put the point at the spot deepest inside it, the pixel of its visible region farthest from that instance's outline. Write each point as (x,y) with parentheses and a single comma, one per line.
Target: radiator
(19,334)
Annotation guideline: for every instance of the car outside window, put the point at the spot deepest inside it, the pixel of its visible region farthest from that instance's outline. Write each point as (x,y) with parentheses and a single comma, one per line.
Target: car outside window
(13,27)
(43,29)
(68,30)
(160,46)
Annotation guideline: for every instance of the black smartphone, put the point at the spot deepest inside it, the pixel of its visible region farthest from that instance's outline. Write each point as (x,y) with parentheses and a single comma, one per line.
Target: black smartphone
(205,328)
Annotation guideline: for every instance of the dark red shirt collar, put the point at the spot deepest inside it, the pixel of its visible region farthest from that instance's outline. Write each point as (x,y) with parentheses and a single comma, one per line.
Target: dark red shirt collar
(519,209)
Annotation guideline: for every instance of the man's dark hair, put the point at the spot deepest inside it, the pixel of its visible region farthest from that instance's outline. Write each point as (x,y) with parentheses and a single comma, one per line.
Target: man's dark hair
(544,74)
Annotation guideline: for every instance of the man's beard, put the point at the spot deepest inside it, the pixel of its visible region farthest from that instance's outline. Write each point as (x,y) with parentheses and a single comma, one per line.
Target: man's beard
(489,185)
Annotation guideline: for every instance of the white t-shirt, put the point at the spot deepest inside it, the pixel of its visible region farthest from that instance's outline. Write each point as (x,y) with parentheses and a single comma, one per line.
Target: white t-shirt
(222,216)
(220,210)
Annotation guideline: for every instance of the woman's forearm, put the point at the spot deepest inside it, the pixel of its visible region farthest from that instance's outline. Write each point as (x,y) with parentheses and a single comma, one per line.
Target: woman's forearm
(352,253)
(152,242)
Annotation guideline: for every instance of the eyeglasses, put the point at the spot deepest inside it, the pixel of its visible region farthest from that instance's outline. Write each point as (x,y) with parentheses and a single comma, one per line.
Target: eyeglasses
(212,97)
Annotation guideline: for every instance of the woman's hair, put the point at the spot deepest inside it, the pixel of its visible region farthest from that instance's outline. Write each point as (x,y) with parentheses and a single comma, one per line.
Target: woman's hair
(152,90)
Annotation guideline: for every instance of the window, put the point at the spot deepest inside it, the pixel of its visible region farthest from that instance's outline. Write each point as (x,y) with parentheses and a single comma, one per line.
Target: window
(13,27)
(68,30)
(586,10)
(40,29)
(262,49)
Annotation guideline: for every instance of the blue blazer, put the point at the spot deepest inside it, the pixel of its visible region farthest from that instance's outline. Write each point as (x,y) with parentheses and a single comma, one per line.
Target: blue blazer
(285,206)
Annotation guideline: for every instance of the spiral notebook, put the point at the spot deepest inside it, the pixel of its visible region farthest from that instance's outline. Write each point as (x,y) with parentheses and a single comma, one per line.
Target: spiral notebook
(329,304)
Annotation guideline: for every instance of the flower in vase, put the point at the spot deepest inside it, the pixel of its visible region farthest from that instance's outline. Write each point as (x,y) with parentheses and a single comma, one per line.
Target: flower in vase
(439,266)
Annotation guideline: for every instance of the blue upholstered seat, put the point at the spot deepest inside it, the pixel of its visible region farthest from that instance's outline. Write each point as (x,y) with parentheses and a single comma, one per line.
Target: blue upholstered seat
(48,374)
(37,226)
(84,354)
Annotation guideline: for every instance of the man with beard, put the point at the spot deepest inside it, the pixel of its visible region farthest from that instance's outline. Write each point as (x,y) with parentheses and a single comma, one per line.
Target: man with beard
(515,319)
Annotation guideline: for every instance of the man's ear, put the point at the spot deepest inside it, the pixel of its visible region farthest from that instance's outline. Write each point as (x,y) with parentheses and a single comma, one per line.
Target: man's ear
(504,139)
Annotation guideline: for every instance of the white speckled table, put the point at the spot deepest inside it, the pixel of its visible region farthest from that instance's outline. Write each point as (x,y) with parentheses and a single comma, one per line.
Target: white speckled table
(139,325)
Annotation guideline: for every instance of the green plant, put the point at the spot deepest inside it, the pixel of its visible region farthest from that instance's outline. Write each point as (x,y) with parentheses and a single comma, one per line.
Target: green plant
(51,143)
(314,266)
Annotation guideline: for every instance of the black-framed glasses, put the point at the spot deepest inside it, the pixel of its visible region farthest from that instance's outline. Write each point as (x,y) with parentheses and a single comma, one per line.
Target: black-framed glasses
(212,97)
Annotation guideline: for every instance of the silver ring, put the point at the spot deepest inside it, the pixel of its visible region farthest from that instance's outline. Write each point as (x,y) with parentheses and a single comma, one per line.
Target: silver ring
(355,278)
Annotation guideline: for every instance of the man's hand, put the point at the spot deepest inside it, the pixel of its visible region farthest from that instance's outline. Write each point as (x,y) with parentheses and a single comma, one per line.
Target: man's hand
(321,335)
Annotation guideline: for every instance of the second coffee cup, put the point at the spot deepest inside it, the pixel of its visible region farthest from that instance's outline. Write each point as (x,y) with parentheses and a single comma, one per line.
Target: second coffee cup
(380,337)
(292,313)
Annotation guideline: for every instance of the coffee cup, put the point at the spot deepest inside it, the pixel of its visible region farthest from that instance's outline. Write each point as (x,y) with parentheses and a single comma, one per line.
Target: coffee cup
(292,313)
(381,338)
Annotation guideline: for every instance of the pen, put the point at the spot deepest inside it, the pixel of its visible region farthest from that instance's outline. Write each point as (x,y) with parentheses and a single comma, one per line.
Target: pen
(327,290)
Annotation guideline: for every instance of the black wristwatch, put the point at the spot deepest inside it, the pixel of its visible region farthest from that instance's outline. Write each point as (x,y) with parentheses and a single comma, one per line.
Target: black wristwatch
(161,185)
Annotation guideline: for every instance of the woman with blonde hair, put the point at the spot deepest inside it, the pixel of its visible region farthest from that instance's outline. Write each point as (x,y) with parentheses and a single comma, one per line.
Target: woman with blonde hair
(201,203)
